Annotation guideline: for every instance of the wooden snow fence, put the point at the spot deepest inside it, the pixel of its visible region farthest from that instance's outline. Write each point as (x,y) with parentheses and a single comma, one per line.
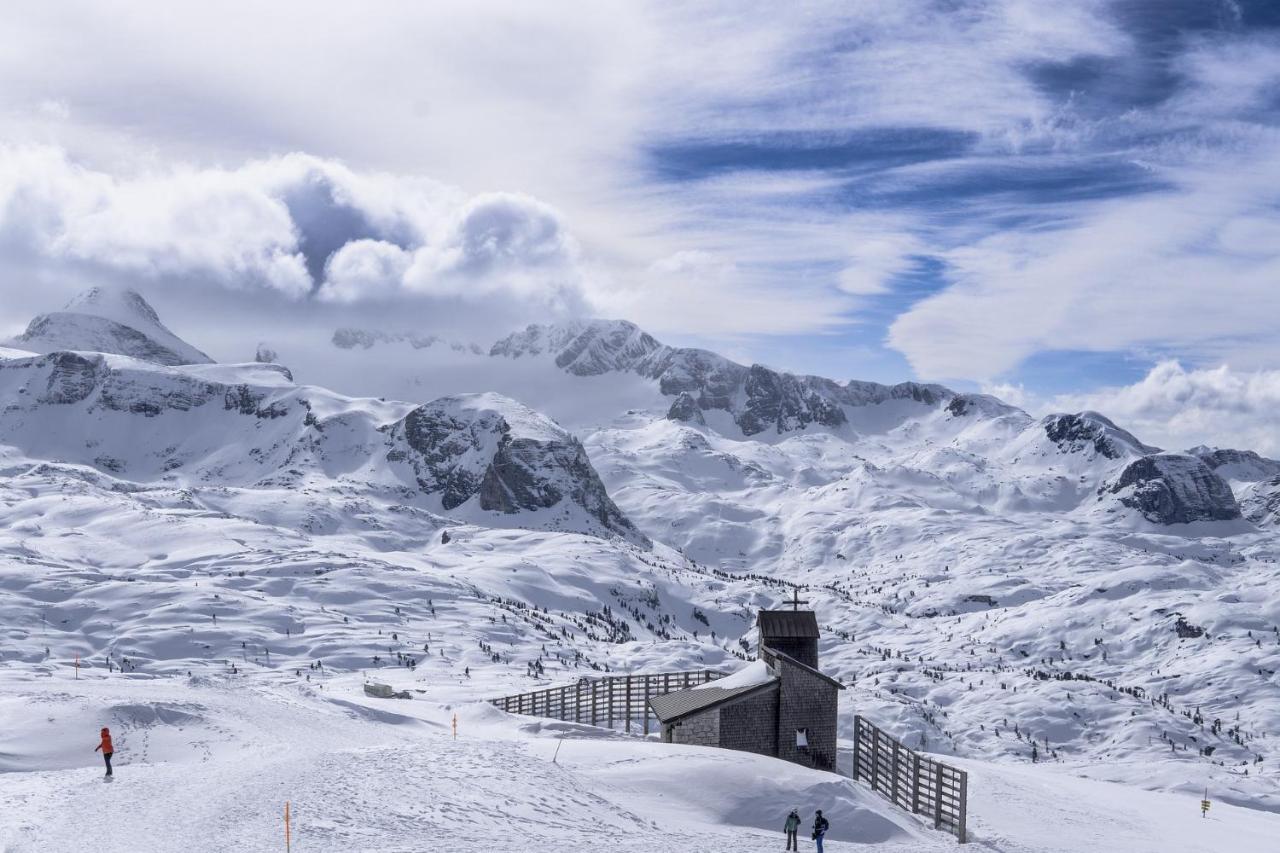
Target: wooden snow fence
(612,701)
(911,781)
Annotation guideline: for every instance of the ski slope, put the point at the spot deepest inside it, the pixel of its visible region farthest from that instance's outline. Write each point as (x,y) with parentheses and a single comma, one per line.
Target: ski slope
(205,764)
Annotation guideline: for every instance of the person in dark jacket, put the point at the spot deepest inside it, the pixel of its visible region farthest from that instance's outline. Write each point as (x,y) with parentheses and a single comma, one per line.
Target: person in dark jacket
(790,828)
(106,747)
(820,827)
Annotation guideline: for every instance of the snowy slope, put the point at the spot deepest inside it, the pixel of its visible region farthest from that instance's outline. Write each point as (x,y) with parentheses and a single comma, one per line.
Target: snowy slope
(112,321)
(251,427)
(982,577)
(203,764)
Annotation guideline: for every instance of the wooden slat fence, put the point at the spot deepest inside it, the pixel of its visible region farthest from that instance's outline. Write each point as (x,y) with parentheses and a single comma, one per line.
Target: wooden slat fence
(612,701)
(910,780)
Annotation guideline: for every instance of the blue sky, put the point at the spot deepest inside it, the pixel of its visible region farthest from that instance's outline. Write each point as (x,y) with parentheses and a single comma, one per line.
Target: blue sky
(1054,201)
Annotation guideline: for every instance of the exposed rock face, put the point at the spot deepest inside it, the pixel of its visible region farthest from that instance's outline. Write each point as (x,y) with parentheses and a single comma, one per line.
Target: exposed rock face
(984,405)
(759,398)
(1260,503)
(784,402)
(102,320)
(1185,630)
(685,408)
(602,347)
(1170,488)
(1243,465)
(508,456)
(1091,431)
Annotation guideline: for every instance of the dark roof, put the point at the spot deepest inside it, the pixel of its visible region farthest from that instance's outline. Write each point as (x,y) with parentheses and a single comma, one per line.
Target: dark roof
(682,703)
(768,652)
(788,624)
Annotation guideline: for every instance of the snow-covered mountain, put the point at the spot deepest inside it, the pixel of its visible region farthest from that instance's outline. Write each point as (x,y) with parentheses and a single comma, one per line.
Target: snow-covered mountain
(756,397)
(249,426)
(982,576)
(111,321)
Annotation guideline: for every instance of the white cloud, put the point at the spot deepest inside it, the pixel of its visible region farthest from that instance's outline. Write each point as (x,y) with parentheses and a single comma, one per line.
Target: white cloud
(874,260)
(1179,408)
(175,169)
(291,224)
(1191,269)
(365,269)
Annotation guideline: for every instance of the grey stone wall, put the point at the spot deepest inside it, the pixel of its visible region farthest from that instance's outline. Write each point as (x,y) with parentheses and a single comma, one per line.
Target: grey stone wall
(702,729)
(751,724)
(807,702)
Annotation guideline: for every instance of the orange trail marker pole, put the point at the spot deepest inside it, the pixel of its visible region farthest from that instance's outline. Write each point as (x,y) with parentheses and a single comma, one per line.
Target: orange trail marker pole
(287,840)
(455,726)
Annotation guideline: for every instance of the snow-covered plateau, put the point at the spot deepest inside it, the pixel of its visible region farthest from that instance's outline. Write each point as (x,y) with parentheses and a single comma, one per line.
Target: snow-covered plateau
(230,550)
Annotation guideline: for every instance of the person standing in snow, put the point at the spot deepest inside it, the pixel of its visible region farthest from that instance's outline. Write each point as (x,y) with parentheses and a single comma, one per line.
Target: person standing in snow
(820,827)
(106,747)
(790,828)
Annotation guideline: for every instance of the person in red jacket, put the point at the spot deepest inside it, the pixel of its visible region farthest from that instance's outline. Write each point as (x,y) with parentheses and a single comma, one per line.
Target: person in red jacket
(106,748)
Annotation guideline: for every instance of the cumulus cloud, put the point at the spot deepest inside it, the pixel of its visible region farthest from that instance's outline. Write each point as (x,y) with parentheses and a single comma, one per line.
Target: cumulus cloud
(297,225)
(1177,408)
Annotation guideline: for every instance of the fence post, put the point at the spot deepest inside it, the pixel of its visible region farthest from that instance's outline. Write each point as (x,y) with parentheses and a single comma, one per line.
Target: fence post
(962,829)
(875,759)
(893,793)
(646,706)
(577,703)
(630,712)
(859,744)
(937,796)
(915,784)
(595,696)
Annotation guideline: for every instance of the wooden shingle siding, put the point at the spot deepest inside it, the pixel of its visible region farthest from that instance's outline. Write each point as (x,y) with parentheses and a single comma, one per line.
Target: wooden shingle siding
(750,725)
(808,701)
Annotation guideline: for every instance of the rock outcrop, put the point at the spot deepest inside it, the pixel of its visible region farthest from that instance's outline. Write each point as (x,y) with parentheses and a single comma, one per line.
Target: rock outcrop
(507,457)
(1241,465)
(1170,488)
(1260,502)
(1091,432)
(685,409)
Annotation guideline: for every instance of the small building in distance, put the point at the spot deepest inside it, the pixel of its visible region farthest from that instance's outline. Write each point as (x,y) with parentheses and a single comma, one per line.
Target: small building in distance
(779,705)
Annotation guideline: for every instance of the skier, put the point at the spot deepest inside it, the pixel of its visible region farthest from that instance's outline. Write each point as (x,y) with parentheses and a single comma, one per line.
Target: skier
(820,827)
(790,827)
(106,748)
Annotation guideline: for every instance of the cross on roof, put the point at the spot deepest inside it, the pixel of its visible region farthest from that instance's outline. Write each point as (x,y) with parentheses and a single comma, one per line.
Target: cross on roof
(796,601)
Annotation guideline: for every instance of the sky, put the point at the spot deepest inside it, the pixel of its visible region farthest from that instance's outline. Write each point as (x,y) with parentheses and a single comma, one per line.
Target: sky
(1065,204)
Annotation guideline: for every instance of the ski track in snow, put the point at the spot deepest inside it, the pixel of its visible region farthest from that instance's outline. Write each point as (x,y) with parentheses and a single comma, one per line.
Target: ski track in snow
(359,777)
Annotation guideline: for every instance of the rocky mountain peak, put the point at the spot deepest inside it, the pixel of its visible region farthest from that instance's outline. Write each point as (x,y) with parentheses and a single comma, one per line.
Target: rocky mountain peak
(1090,431)
(109,320)
(124,305)
(1243,465)
(759,398)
